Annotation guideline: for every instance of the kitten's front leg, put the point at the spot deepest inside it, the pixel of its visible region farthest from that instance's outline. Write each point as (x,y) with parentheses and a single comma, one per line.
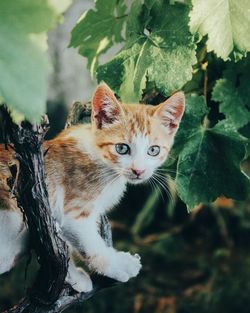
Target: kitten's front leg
(84,236)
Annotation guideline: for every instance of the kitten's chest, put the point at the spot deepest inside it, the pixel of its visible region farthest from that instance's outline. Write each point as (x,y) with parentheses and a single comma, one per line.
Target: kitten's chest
(110,195)
(94,199)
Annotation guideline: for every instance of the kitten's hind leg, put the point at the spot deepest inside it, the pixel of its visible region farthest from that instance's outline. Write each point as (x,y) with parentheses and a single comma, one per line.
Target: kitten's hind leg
(78,278)
(13,234)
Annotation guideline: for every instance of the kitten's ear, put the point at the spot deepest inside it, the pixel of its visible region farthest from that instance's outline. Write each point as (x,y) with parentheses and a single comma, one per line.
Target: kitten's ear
(170,112)
(106,109)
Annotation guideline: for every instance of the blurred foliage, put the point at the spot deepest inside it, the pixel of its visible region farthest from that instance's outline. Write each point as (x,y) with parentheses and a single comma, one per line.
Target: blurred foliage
(24,65)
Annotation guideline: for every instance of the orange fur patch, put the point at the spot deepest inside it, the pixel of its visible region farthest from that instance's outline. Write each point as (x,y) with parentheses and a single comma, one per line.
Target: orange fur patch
(82,215)
(7,201)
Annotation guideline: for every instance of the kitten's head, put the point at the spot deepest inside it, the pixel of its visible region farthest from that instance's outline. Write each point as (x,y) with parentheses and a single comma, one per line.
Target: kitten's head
(134,139)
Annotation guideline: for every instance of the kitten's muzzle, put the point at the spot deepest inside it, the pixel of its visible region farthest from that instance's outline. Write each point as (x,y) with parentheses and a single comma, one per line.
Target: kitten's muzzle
(136,176)
(137,172)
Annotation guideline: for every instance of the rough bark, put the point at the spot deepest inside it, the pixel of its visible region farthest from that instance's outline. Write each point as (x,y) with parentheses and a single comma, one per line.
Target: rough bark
(49,293)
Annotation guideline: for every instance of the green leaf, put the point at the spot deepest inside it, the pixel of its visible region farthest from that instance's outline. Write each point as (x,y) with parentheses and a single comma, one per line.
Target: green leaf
(239,75)
(97,31)
(27,16)
(24,65)
(226,22)
(245,131)
(209,162)
(231,103)
(159,48)
(233,93)
(193,118)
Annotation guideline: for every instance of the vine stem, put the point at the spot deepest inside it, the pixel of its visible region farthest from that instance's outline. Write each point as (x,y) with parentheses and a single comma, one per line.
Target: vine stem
(204,68)
(121,16)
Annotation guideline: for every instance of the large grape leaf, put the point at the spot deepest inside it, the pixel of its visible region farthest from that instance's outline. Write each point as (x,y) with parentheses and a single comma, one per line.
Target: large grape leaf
(159,48)
(209,162)
(23,63)
(231,102)
(233,93)
(98,30)
(193,118)
(27,16)
(226,22)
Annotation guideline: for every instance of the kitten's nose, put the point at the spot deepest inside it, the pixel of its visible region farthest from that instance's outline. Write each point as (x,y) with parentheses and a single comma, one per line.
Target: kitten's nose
(137,172)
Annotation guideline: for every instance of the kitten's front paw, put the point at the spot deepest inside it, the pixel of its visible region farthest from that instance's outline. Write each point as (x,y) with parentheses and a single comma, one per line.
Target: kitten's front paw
(122,266)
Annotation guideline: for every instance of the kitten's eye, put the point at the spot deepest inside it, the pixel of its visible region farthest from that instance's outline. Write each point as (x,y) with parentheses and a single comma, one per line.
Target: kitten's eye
(122,148)
(153,150)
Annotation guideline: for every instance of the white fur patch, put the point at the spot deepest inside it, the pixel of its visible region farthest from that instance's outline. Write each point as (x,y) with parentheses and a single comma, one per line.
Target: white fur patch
(13,235)
(110,196)
(78,278)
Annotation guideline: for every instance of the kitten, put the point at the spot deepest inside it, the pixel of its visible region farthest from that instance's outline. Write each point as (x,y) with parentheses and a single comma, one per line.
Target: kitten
(87,168)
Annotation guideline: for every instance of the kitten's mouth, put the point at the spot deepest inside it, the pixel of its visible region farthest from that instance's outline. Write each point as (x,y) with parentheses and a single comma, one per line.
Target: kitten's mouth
(135,180)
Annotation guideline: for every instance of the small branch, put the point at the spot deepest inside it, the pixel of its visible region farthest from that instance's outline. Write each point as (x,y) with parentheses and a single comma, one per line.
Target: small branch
(150,97)
(202,54)
(79,114)
(67,298)
(206,122)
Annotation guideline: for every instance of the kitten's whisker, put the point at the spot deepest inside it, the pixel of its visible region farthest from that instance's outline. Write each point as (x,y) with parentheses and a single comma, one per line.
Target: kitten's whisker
(100,181)
(158,187)
(150,184)
(172,193)
(164,170)
(163,185)
(101,174)
(154,186)
(163,176)
(107,171)
(117,177)
(171,157)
